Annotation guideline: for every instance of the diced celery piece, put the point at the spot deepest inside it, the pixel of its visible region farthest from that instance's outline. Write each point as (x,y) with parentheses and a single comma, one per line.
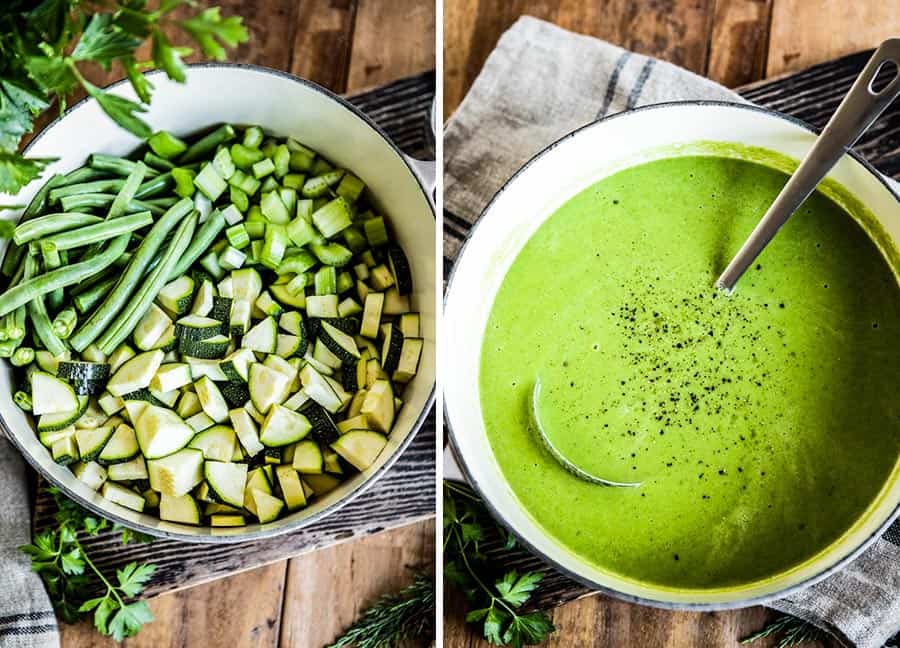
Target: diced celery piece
(273,209)
(263,168)
(376,231)
(305,209)
(232,258)
(238,237)
(318,185)
(210,182)
(166,145)
(244,157)
(326,281)
(350,187)
(232,215)
(297,263)
(333,217)
(239,198)
(301,231)
(293,181)
(246,183)
(184,182)
(281,159)
(289,198)
(274,245)
(223,164)
(253,137)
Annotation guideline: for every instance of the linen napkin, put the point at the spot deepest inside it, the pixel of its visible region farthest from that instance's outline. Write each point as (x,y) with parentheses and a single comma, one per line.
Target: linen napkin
(542,82)
(26,616)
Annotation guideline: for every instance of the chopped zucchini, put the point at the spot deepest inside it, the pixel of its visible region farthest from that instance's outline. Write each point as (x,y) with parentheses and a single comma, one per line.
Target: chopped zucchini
(282,427)
(177,474)
(123,496)
(360,448)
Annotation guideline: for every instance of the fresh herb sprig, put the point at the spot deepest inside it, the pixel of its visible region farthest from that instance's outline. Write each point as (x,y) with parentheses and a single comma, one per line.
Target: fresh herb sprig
(45,45)
(70,575)
(791,632)
(495,599)
(408,614)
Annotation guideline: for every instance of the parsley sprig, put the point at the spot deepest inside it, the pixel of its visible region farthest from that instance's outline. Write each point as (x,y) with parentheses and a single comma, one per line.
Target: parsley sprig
(44,44)
(495,599)
(408,614)
(70,575)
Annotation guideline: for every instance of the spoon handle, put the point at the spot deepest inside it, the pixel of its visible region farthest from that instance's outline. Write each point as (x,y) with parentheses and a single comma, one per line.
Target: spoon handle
(857,111)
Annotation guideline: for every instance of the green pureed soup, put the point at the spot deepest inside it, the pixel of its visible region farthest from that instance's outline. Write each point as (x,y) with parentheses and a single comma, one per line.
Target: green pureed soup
(761,425)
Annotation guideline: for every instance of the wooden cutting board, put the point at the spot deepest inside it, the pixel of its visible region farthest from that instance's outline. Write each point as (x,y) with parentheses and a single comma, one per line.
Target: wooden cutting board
(403,496)
(811,95)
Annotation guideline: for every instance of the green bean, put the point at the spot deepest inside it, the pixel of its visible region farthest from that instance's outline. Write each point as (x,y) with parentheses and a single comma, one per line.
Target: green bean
(207,144)
(87,299)
(126,192)
(7,349)
(85,174)
(76,273)
(151,159)
(114,301)
(23,400)
(52,261)
(15,329)
(64,323)
(96,201)
(117,165)
(207,233)
(155,185)
(22,356)
(163,203)
(138,307)
(51,224)
(99,232)
(14,253)
(37,311)
(97,186)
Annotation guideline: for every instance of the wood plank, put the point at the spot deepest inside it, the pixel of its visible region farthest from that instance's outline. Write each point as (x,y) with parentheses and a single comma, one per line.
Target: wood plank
(739,41)
(377,55)
(322,41)
(806,32)
(328,590)
(675,30)
(244,611)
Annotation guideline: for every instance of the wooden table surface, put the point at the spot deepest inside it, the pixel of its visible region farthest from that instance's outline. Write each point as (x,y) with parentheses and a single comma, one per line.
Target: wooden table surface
(734,42)
(304,602)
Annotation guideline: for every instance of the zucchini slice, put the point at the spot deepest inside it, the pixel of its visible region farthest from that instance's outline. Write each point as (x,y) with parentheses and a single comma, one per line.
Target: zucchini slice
(173,375)
(123,496)
(323,428)
(227,520)
(341,344)
(182,509)
(308,458)
(322,484)
(91,442)
(263,337)
(322,306)
(121,447)
(176,474)
(65,451)
(408,364)
(151,328)
(226,481)
(394,302)
(236,366)
(268,507)
(161,432)
(372,315)
(288,346)
(176,297)
(188,405)
(391,349)
(48,362)
(211,400)
(409,325)
(217,443)
(319,389)
(360,448)
(282,427)
(136,373)
(209,349)
(197,327)
(52,395)
(200,421)
(133,470)
(203,301)
(239,317)
(378,407)
(267,387)
(291,487)
(399,265)
(118,357)
(245,429)
(59,420)
(90,473)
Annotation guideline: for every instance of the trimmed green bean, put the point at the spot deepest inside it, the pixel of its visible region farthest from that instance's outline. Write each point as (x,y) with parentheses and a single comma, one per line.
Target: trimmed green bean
(115,300)
(117,165)
(51,224)
(13,257)
(64,323)
(85,174)
(207,233)
(96,201)
(23,400)
(155,185)
(22,356)
(87,299)
(99,232)
(126,192)
(7,348)
(16,328)
(163,203)
(207,144)
(150,288)
(73,274)
(40,320)
(152,160)
(97,186)
(52,260)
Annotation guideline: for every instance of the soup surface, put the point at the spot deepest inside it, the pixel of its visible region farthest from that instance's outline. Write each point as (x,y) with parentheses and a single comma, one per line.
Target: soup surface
(761,424)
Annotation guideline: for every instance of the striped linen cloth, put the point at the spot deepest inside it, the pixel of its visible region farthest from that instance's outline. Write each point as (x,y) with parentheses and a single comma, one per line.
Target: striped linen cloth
(542,82)
(26,616)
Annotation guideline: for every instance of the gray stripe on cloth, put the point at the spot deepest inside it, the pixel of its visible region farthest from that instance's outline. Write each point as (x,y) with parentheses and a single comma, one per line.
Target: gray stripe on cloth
(542,82)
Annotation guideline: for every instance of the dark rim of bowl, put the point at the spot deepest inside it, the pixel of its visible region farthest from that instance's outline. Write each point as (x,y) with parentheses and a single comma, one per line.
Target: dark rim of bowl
(363,485)
(498,515)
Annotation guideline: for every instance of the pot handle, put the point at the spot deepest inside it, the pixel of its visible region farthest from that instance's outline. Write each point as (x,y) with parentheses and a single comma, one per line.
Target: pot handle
(451,466)
(426,172)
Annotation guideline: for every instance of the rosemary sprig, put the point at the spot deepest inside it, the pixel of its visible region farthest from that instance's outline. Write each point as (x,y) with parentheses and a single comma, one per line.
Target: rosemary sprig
(408,614)
(789,631)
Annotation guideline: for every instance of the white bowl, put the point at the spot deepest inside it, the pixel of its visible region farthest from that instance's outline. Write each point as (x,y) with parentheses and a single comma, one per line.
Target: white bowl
(561,171)
(283,105)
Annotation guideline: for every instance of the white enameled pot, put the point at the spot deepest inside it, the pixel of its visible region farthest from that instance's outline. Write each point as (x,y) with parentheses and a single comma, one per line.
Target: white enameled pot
(283,105)
(518,209)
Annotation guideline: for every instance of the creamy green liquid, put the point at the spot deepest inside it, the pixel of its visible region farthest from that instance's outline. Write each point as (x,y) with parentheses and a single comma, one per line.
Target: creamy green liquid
(762,425)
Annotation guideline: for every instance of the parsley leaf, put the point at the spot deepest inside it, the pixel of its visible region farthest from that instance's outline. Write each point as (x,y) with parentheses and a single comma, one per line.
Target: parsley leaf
(17,171)
(133,577)
(528,630)
(516,591)
(209,29)
(129,619)
(120,110)
(167,57)
(53,74)
(102,42)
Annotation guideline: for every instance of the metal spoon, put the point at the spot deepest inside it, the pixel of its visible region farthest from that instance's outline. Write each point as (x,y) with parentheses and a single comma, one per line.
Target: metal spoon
(560,458)
(859,109)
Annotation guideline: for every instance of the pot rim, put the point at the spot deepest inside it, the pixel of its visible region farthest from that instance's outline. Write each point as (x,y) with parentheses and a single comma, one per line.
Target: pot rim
(365,484)
(495,512)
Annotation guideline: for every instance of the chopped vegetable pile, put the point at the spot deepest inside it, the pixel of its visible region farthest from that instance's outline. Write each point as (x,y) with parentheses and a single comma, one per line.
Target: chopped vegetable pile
(218,331)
